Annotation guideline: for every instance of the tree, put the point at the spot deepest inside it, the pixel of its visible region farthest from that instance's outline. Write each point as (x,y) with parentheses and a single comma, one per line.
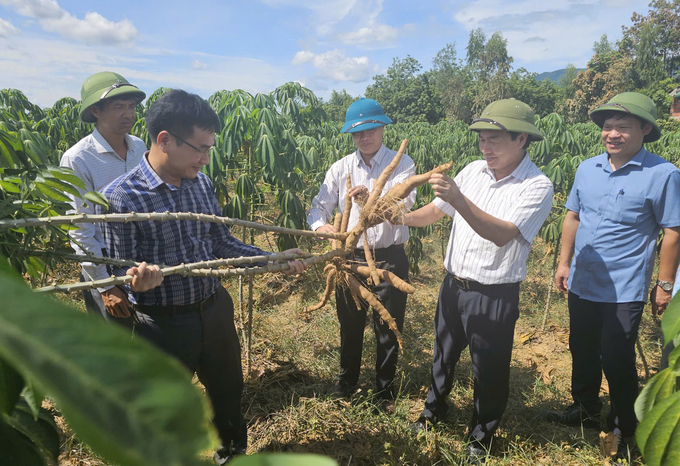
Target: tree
(540,96)
(664,20)
(603,46)
(453,81)
(566,82)
(337,105)
(405,95)
(648,65)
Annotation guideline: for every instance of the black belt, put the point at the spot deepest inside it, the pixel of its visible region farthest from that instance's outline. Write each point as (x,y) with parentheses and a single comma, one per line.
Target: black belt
(172,310)
(471,285)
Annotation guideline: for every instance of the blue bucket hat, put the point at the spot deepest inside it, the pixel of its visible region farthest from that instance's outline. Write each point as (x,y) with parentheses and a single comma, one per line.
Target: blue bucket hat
(364,114)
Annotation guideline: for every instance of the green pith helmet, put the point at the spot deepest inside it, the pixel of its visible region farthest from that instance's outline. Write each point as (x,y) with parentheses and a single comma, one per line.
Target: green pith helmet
(508,115)
(632,103)
(102,86)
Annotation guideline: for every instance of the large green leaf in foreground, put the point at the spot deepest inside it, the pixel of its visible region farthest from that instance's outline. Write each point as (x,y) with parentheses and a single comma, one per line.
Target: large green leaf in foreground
(127,400)
(658,435)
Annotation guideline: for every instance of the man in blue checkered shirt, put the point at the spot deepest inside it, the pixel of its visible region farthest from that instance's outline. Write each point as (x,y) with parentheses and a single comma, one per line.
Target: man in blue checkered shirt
(192,318)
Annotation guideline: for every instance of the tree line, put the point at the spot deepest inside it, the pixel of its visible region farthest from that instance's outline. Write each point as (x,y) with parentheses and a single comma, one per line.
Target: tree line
(646,59)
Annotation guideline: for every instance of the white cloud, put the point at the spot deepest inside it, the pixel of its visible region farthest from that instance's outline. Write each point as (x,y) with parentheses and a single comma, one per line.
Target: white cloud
(7,29)
(336,65)
(93,28)
(372,37)
(199,65)
(549,31)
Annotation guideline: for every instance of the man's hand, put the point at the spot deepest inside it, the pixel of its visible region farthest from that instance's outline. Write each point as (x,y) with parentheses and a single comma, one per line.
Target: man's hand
(116,302)
(146,277)
(660,300)
(327,228)
(561,277)
(445,188)
(297,267)
(359,194)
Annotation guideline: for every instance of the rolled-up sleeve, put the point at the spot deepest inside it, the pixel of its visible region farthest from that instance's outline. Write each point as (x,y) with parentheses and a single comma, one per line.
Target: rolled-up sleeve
(666,205)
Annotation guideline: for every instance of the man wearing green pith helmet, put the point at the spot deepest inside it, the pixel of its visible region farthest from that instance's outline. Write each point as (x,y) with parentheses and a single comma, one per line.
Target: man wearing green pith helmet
(109,101)
(365,121)
(498,205)
(618,203)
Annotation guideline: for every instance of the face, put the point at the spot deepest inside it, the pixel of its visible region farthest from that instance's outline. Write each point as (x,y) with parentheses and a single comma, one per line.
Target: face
(623,137)
(116,117)
(500,151)
(184,161)
(368,142)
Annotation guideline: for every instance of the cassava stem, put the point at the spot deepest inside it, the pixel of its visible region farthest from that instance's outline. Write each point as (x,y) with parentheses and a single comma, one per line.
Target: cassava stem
(359,290)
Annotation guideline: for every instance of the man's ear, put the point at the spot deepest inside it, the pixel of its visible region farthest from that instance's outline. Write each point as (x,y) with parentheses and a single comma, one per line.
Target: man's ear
(163,140)
(647,129)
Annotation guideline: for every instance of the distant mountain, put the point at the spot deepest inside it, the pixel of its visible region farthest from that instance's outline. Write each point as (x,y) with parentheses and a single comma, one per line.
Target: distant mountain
(554,76)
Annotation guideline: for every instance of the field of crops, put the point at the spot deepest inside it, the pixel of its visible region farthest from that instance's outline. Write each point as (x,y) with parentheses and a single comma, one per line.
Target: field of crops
(269,159)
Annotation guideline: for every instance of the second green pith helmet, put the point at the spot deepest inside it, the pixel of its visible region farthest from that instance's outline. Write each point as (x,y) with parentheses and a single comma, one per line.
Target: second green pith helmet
(509,115)
(632,103)
(102,86)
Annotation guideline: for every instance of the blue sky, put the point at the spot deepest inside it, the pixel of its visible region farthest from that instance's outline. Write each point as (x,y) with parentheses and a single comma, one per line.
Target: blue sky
(49,47)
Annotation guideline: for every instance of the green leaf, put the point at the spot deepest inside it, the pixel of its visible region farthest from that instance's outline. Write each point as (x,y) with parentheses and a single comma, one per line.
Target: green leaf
(33,398)
(11,384)
(658,435)
(283,459)
(670,322)
(50,192)
(126,399)
(42,430)
(69,177)
(97,198)
(17,448)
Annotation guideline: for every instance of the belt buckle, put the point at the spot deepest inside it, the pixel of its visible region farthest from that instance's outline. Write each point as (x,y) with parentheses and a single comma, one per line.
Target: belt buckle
(462,283)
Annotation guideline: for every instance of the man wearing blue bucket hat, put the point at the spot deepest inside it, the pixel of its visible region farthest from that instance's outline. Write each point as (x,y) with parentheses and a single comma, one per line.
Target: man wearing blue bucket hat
(365,121)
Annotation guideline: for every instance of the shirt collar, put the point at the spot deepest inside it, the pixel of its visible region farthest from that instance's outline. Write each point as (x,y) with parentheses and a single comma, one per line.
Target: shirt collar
(102,145)
(602,160)
(376,160)
(150,175)
(520,172)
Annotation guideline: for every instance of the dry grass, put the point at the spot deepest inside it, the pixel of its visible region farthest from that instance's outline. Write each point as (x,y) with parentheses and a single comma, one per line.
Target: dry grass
(295,362)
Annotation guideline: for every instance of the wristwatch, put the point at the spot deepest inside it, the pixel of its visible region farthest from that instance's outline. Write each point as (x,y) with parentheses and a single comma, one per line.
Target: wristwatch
(664,285)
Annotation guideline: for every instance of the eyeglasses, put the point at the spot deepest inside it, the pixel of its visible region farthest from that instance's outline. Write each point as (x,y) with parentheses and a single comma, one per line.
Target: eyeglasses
(364,122)
(489,120)
(115,86)
(203,151)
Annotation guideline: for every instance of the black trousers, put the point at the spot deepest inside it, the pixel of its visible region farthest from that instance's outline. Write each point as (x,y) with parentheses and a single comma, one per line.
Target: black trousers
(353,320)
(484,319)
(206,343)
(602,337)
(95,306)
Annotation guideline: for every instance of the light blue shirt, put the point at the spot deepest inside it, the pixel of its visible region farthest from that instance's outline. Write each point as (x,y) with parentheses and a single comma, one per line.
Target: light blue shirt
(621,213)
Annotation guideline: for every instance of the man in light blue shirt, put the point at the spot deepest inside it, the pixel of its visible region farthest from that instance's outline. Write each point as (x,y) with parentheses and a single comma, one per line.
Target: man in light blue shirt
(618,203)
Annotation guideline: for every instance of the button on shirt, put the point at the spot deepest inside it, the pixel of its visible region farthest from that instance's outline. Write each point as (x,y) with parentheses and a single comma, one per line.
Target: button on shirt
(96,163)
(523,198)
(334,187)
(621,213)
(169,242)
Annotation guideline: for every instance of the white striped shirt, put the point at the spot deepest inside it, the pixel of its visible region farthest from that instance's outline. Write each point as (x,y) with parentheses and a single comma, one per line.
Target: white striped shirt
(332,194)
(96,164)
(523,198)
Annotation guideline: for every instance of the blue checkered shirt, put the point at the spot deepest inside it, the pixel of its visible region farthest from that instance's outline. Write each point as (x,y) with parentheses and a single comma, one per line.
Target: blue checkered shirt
(169,242)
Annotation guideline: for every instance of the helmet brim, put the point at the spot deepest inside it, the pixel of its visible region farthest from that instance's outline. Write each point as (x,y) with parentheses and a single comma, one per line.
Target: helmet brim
(364,124)
(508,125)
(598,117)
(128,91)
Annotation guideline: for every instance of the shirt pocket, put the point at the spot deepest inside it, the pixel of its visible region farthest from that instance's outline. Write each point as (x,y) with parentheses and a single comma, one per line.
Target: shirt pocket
(629,210)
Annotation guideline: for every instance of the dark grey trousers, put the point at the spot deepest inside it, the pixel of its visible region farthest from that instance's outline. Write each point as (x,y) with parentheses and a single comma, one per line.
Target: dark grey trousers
(484,319)
(353,321)
(207,344)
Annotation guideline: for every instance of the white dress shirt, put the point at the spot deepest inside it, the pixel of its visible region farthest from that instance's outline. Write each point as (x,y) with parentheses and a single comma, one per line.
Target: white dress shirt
(332,194)
(96,164)
(523,198)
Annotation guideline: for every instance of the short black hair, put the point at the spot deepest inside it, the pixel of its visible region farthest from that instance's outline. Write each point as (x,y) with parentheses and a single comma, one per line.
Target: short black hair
(616,115)
(178,112)
(515,134)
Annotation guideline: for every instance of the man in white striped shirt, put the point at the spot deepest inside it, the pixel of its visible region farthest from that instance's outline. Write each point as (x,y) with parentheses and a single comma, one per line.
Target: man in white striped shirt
(498,205)
(365,120)
(99,158)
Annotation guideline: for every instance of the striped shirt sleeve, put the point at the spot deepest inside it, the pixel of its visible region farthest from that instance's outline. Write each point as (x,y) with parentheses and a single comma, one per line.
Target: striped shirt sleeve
(529,214)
